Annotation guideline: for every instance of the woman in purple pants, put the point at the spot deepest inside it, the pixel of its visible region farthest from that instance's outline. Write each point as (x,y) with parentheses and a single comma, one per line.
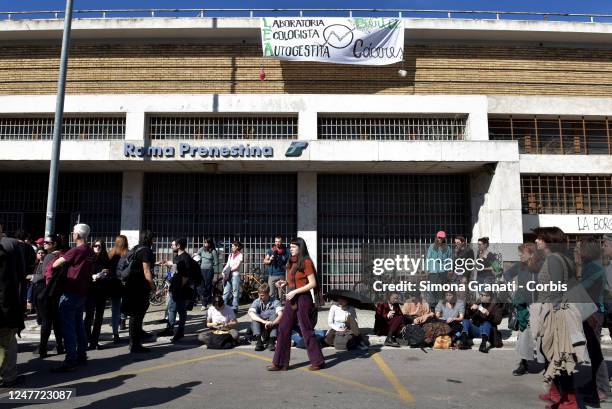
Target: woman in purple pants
(301,278)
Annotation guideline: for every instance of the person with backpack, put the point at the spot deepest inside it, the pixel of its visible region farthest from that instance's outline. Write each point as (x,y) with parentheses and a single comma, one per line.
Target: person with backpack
(80,263)
(48,298)
(116,287)
(180,291)
(301,279)
(137,273)
(209,265)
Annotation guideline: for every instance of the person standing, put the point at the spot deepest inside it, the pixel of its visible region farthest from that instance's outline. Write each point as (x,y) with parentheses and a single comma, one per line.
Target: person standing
(438,265)
(116,288)
(11,314)
(301,279)
(98,293)
(80,263)
(209,265)
(179,291)
(48,301)
(138,288)
(231,276)
(37,284)
(276,260)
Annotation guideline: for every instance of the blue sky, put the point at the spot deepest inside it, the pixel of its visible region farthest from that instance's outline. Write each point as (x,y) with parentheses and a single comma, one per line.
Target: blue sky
(570,6)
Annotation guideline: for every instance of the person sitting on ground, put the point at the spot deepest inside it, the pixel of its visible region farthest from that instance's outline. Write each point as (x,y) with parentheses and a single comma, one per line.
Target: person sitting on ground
(482,319)
(451,311)
(265,313)
(342,319)
(389,320)
(416,311)
(219,317)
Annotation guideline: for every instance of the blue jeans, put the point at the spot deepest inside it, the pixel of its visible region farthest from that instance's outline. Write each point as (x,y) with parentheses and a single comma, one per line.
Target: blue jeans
(205,289)
(476,331)
(232,286)
(116,314)
(176,305)
(71,308)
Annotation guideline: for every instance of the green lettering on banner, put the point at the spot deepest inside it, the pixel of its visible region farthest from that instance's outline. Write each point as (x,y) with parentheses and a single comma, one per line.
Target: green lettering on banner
(266,34)
(265,21)
(268,50)
(360,23)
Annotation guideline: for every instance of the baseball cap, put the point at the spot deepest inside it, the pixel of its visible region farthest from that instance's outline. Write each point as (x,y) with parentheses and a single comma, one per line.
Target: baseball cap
(441,234)
(40,241)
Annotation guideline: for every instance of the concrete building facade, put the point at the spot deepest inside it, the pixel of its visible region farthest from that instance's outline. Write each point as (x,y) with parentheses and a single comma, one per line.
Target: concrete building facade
(499,127)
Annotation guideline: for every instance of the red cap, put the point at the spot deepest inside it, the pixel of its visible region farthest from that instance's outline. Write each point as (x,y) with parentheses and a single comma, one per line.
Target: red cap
(40,241)
(441,234)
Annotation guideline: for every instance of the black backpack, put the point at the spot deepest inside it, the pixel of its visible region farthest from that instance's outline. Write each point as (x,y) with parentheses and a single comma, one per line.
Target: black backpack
(126,265)
(413,336)
(195,275)
(220,340)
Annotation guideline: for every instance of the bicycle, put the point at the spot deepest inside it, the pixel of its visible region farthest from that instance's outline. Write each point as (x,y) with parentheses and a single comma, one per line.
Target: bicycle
(161,287)
(250,282)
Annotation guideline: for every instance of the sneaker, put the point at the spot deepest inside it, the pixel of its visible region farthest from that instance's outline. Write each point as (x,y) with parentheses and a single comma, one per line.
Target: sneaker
(272,345)
(64,368)
(390,342)
(95,346)
(521,370)
(177,337)
(483,346)
(116,339)
(259,346)
(167,332)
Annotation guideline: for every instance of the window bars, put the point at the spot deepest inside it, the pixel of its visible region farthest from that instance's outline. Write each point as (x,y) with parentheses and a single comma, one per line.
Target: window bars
(363,215)
(252,208)
(73,128)
(392,128)
(223,127)
(566,194)
(555,136)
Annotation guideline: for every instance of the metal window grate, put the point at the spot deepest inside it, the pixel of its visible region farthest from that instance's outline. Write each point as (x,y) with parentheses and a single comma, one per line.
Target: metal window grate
(395,214)
(223,127)
(393,128)
(557,136)
(73,128)
(251,208)
(566,194)
(94,198)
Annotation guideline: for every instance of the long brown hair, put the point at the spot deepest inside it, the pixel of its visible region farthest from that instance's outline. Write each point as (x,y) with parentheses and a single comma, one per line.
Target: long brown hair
(120,247)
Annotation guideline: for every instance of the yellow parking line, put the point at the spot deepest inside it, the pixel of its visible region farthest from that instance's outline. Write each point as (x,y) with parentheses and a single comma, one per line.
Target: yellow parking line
(402,392)
(324,374)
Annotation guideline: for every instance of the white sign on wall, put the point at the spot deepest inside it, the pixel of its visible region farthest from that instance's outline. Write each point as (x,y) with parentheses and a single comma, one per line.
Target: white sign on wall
(360,40)
(573,224)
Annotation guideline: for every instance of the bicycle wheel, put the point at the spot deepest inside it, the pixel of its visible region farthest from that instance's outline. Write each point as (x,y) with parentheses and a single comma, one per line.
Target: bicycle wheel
(158,294)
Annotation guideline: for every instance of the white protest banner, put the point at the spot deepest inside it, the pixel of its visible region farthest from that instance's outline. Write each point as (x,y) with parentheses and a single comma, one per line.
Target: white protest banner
(360,40)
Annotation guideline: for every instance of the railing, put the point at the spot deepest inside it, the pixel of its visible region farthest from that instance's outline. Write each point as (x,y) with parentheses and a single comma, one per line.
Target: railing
(307,12)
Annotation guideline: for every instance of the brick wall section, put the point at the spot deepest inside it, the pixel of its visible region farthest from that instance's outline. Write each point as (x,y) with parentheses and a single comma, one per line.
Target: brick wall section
(203,68)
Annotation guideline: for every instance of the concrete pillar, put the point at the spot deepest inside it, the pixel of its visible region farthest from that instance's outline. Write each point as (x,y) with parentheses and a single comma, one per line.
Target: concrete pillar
(307,125)
(132,206)
(135,124)
(477,128)
(496,206)
(307,211)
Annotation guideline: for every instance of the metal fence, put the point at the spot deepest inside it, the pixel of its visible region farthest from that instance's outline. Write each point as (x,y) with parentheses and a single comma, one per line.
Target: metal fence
(92,198)
(566,194)
(556,136)
(251,208)
(223,127)
(395,214)
(73,128)
(309,12)
(392,128)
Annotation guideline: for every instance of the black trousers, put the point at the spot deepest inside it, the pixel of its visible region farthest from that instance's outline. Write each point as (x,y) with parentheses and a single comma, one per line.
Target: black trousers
(138,308)
(50,319)
(94,314)
(595,354)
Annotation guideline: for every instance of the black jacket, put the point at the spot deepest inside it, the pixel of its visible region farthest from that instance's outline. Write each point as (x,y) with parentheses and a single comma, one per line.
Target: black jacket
(11,310)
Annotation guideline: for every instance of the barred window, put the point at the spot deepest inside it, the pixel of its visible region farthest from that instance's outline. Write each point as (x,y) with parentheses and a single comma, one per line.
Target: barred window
(566,194)
(392,128)
(557,136)
(223,127)
(73,128)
